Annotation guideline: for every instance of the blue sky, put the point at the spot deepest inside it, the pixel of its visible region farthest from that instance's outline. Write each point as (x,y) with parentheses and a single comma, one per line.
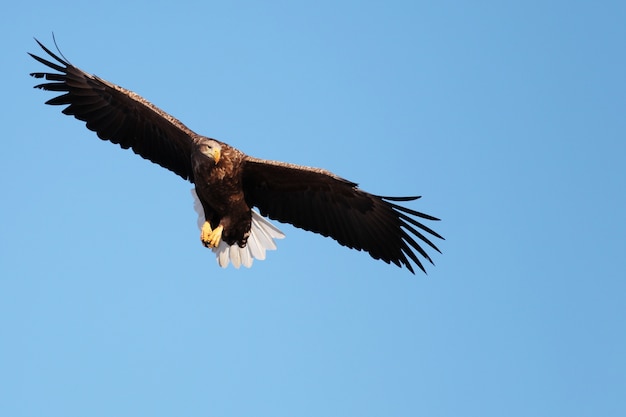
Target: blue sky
(507,117)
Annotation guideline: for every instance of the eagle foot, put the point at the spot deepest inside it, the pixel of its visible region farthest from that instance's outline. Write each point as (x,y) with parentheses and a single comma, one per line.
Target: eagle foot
(211,237)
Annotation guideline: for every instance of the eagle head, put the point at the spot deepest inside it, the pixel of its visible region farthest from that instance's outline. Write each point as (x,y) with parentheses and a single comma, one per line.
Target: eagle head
(211,149)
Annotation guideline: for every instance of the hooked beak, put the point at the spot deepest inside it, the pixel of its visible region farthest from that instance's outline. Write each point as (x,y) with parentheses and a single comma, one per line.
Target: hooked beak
(216,154)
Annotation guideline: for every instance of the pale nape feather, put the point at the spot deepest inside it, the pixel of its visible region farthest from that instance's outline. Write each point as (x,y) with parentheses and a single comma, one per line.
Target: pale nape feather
(261,239)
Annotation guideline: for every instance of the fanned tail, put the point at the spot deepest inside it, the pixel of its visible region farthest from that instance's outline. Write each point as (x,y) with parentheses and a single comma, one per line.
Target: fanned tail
(261,239)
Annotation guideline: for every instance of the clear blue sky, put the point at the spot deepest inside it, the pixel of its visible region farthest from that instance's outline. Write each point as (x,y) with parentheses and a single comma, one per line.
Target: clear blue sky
(508,117)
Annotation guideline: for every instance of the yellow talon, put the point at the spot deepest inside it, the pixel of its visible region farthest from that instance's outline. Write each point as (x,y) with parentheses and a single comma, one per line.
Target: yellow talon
(211,238)
(205,231)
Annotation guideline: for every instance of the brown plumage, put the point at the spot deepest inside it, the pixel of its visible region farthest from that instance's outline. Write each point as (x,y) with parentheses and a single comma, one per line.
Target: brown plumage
(229,183)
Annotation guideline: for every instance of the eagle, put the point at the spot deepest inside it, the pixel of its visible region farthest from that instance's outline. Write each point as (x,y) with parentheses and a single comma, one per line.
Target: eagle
(228,184)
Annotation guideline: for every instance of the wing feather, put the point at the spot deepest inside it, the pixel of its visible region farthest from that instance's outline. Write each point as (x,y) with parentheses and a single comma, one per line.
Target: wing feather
(118,115)
(319,201)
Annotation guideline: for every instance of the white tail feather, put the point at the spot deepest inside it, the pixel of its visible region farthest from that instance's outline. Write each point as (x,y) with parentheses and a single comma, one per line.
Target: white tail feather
(261,239)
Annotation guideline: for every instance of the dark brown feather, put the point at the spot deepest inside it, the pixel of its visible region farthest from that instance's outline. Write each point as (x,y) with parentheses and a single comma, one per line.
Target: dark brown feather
(319,201)
(119,115)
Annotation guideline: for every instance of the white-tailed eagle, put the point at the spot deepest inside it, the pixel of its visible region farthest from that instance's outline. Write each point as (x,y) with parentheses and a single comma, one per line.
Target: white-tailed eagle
(229,183)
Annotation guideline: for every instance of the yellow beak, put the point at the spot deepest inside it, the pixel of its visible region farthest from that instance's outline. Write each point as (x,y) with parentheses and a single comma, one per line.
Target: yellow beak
(217,154)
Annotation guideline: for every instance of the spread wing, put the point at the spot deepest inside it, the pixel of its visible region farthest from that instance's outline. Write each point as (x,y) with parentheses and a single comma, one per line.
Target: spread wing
(319,201)
(119,115)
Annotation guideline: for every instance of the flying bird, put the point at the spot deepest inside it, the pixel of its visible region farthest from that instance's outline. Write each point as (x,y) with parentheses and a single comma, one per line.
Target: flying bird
(228,184)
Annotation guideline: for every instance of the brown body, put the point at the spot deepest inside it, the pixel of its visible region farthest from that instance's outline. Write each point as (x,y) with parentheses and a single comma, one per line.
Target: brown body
(222,194)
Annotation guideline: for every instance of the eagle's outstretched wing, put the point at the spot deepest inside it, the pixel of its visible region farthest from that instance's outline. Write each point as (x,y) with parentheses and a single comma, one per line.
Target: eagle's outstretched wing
(119,115)
(319,201)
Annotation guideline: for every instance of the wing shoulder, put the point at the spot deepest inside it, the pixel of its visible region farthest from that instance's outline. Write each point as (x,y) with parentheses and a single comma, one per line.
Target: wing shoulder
(262,171)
